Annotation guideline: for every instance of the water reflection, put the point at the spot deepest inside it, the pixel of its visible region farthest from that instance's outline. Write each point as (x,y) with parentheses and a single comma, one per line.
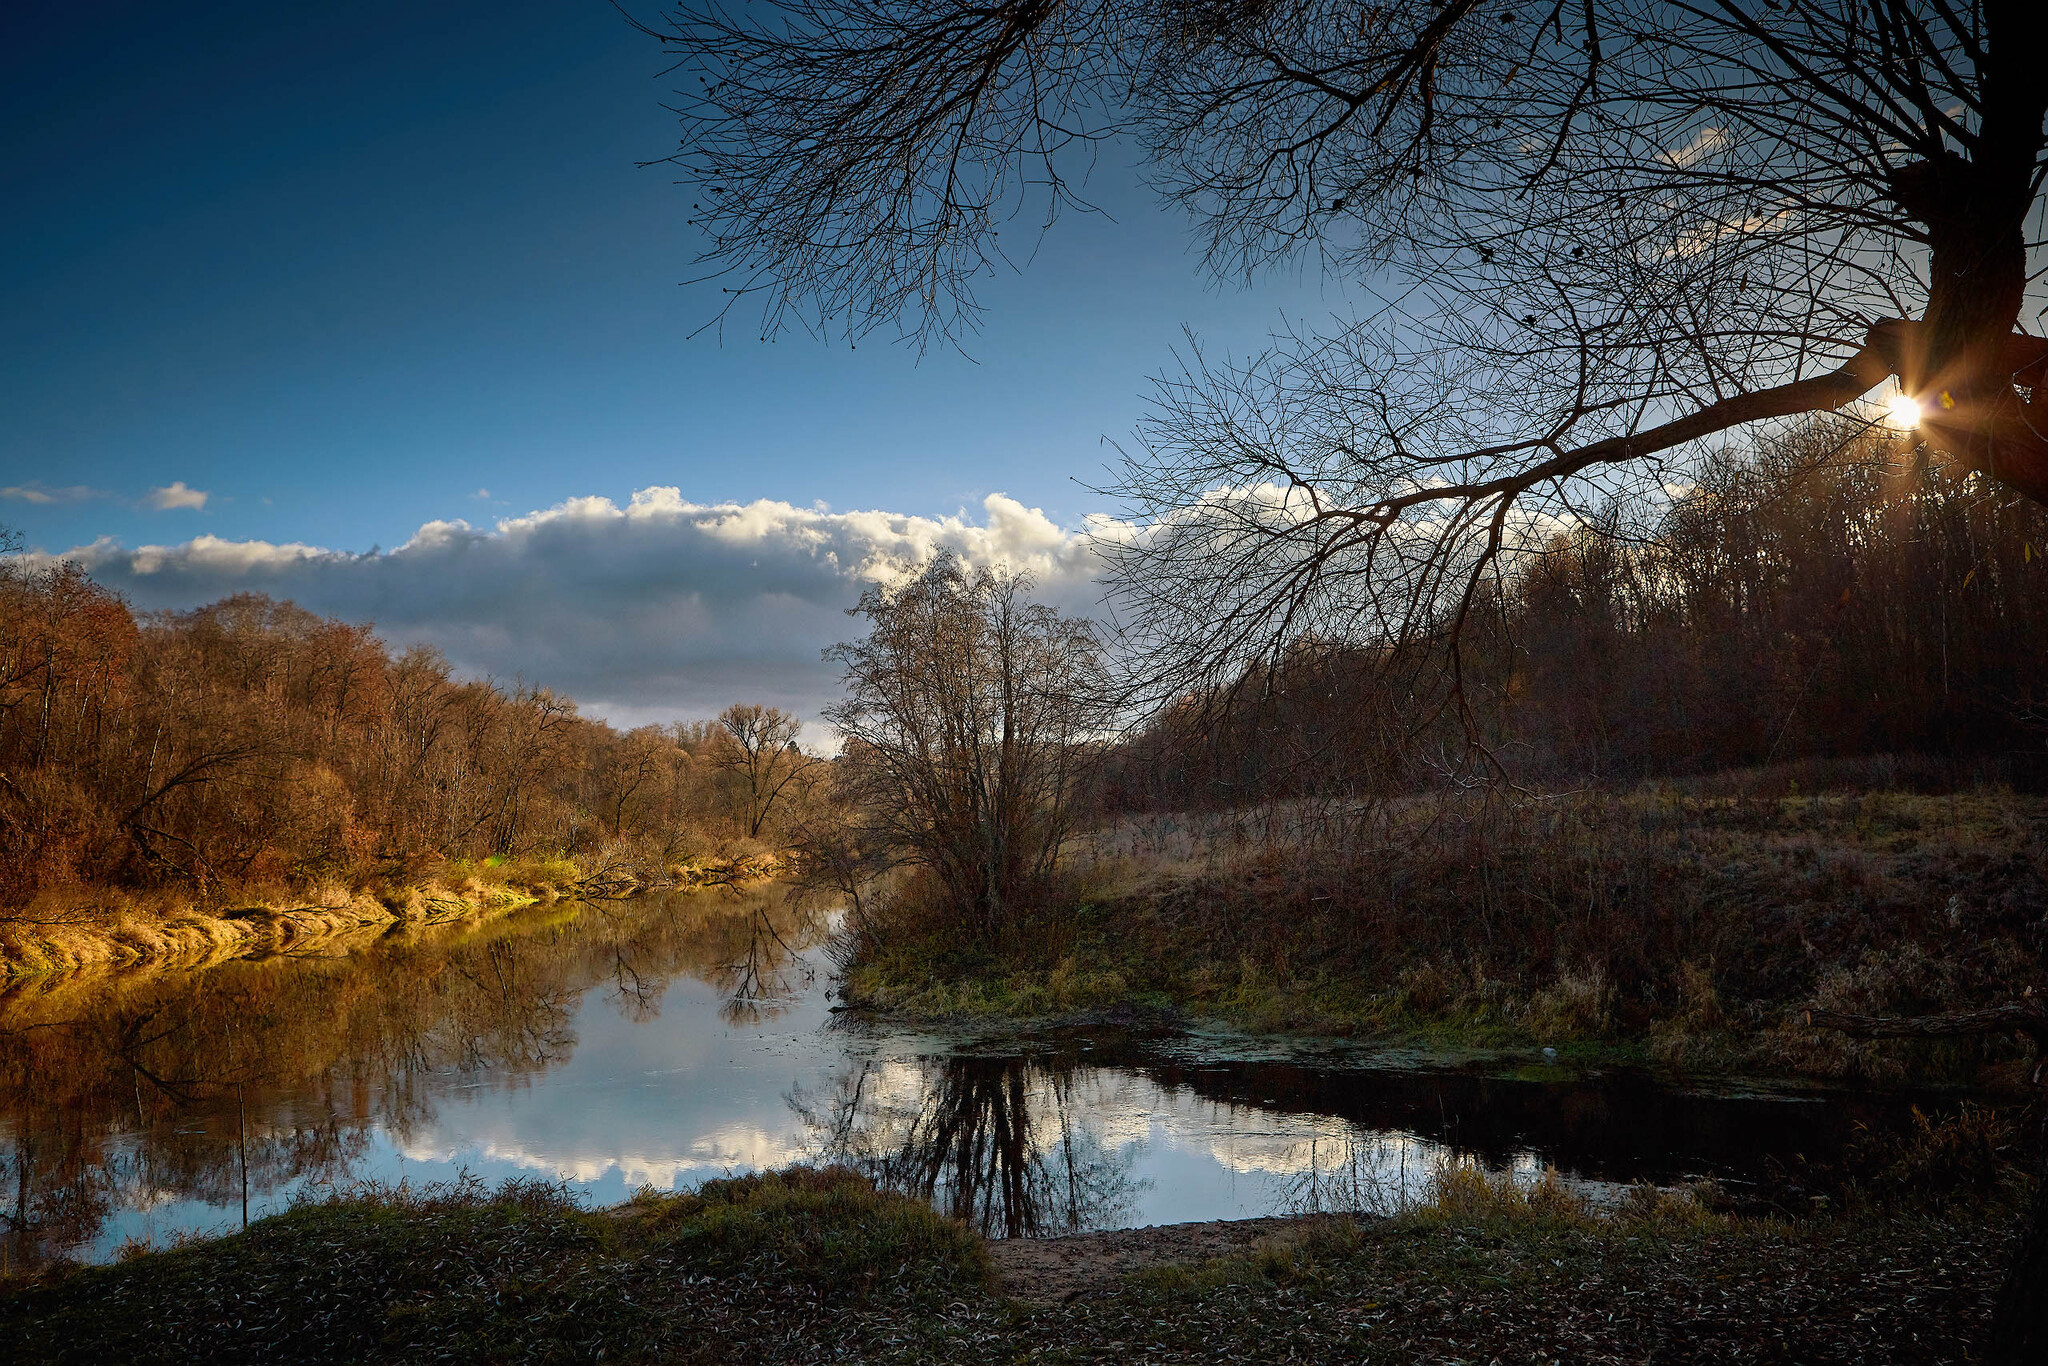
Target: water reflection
(128,1092)
(766,975)
(994,1142)
(668,1040)
(1361,1172)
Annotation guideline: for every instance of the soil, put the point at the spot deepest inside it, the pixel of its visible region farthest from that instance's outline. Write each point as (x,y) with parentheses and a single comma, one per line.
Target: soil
(1058,1270)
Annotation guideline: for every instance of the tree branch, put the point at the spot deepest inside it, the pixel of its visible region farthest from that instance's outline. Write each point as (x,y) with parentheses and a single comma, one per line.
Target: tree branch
(2026,1016)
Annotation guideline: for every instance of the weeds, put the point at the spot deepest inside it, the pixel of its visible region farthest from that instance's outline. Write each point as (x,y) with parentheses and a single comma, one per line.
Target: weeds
(1694,927)
(808,1265)
(521,1273)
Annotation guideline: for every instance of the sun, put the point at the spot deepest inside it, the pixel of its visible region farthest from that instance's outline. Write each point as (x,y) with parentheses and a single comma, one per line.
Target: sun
(1904,411)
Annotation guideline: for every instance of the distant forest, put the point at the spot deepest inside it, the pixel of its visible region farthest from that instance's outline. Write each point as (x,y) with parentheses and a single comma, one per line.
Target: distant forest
(1819,601)
(1801,606)
(253,742)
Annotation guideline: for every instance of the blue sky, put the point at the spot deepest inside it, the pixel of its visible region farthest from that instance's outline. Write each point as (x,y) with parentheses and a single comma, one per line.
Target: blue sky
(364,261)
(343,270)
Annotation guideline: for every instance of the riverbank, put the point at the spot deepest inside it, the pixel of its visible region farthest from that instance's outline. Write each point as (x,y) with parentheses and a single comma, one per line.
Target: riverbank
(811,1266)
(84,929)
(1685,932)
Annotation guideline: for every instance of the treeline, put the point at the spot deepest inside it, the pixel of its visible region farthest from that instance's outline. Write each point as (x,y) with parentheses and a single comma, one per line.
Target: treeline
(252,743)
(1818,601)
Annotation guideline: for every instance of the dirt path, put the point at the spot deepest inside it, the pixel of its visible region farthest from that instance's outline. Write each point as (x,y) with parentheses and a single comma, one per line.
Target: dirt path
(1055,1270)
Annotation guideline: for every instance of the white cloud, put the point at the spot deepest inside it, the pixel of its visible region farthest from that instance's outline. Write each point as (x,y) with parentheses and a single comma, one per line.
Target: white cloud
(42,494)
(176,495)
(1704,144)
(657,609)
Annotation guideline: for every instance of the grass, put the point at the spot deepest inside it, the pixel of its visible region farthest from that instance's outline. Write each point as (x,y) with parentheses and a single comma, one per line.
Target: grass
(520,1274)
(807,1266)
(1490,1268)
(1683,929)
(1486,1275)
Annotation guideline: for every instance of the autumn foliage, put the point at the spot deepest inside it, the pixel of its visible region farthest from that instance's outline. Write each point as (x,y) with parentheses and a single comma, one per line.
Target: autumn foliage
(252,742)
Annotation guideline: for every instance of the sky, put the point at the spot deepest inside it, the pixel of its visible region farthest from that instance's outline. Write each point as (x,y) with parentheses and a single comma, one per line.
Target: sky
(375,307)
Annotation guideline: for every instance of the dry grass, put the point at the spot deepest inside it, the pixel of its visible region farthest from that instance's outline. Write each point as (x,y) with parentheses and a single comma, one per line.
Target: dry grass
(1689,927)
(816,1266)
(772,1265)
(125,931)
(68,929)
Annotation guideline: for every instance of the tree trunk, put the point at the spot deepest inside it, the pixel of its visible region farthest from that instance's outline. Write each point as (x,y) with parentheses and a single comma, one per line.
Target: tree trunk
(2019,1323)
(1975,211)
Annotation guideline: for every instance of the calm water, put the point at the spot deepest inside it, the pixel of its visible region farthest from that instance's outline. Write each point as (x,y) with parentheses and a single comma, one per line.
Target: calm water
(668,1040)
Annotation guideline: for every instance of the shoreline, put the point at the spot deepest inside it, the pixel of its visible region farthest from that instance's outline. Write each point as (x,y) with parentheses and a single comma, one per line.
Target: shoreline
(191,936)
(1644,929)
(807,1265)
(195,938)
(1446,1051)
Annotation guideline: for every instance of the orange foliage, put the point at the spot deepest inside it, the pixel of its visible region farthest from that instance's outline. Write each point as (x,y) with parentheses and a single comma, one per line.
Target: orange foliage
(252,743)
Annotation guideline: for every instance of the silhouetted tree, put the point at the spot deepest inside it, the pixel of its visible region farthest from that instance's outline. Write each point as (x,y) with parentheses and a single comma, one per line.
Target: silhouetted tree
(966,715)
(1611,232)
(1614,234)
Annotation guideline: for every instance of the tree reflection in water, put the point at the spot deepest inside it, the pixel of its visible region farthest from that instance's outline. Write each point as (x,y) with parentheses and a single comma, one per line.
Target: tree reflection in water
(760,980)
(1362,1172)
(123,1091)
(995,1142)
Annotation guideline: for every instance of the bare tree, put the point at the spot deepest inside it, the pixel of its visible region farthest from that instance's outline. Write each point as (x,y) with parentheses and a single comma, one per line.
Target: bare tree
(762,756)
(967,713)
(1600,239)
(1613,241)
(1605,234)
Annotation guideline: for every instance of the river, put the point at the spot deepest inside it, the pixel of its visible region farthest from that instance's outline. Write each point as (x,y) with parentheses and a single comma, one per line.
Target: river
(670,1039)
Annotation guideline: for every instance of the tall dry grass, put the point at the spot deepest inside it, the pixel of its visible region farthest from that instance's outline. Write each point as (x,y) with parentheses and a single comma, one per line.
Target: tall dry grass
(1693,926)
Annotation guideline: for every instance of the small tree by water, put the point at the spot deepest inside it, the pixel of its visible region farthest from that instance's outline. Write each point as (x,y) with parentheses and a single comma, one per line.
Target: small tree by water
(968,712)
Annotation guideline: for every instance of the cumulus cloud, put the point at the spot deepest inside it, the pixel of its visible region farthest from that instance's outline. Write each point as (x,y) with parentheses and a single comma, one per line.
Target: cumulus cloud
(176,495)
(657,609)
